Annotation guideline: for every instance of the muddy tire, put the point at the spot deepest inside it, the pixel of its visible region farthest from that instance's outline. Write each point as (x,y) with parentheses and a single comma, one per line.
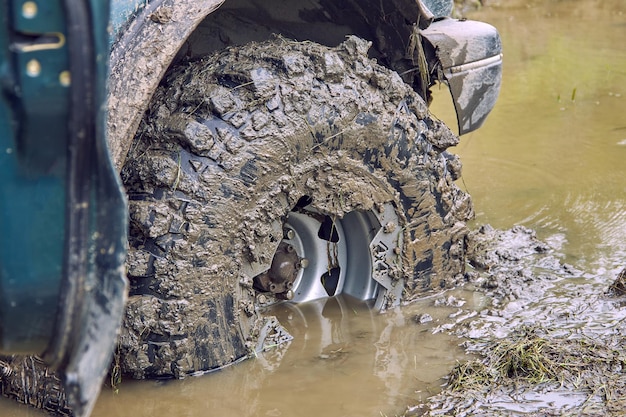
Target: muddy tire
(235,147)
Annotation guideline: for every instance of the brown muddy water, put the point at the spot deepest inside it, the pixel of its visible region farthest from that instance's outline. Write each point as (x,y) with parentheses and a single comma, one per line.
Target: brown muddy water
(552,157)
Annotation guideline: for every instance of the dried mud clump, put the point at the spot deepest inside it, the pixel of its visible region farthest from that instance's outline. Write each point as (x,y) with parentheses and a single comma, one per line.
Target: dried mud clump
(230,144)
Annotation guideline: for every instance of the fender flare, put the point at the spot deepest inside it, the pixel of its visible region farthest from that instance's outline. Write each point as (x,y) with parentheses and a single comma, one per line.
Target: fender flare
(150,43)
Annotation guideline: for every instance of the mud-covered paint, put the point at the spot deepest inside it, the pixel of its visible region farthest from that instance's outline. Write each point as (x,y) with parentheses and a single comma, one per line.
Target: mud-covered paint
(122,13)
(470,53)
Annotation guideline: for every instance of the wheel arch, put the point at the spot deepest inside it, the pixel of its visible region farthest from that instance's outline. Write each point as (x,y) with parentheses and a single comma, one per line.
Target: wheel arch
(139,58)
(166,30)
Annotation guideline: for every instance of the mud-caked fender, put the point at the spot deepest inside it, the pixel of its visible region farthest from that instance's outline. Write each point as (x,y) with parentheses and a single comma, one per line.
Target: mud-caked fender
(148,34)
(139,58)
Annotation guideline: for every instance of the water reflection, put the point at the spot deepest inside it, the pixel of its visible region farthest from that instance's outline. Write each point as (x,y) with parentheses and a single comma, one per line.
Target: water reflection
(345,360)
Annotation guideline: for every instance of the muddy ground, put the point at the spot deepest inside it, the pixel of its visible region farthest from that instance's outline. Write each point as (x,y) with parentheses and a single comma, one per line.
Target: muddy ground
(547,339)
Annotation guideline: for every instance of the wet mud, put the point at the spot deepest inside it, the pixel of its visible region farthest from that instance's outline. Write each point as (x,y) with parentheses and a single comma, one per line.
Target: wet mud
(543,337)
(229,146)
(562,178)
(546,339)
(565,323)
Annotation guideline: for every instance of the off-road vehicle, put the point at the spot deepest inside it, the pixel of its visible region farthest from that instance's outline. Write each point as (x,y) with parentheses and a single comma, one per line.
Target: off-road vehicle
(270,151)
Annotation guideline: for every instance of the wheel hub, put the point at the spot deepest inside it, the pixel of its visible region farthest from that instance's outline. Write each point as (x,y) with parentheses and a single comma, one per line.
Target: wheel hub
(280,277)
(321,256)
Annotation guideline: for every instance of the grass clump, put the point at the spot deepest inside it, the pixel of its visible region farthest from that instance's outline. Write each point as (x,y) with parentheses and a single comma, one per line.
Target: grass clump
(539,360)
(526,355)
(533,356)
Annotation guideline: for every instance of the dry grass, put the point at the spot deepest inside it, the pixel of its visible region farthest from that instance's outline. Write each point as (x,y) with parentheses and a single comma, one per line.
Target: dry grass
(530,354)
(531,358)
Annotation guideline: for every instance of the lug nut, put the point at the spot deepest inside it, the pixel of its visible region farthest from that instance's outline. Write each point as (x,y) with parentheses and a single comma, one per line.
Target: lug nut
(389,227)
(304,262)
(288,233)
(289,295)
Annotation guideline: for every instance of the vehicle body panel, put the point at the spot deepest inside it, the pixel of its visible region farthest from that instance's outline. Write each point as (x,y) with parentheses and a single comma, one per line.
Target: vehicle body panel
(471,58)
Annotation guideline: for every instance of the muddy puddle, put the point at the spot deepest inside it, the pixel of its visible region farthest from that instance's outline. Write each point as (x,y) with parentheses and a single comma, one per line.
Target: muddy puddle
(551,158)
(344,360)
